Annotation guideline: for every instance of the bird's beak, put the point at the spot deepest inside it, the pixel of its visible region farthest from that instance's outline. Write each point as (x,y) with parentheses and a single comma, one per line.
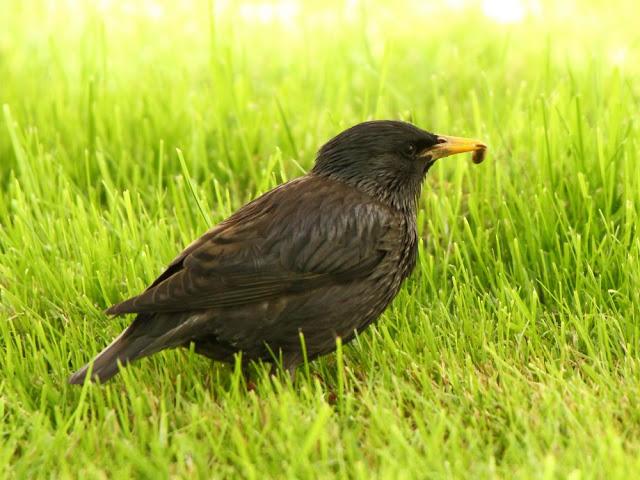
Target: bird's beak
(451,145)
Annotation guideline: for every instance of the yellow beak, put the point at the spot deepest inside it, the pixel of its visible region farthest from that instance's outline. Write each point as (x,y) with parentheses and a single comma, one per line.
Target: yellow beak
(452,145)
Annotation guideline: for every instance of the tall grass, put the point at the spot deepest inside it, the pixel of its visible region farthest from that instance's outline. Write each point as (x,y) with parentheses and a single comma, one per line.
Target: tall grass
(513,351)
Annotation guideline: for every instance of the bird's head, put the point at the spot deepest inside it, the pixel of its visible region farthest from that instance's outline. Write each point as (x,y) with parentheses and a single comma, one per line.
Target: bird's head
(389,159)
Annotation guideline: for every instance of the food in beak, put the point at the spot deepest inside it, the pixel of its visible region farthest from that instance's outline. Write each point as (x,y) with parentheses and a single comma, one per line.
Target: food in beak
(478,155)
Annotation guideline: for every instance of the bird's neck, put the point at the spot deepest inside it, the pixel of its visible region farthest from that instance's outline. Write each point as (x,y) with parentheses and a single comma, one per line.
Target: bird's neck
(400,194)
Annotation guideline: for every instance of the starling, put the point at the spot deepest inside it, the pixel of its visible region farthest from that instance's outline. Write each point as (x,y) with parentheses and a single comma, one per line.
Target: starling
(316,258)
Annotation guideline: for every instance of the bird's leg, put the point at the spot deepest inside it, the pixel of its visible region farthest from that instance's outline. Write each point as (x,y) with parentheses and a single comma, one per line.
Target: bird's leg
(289,369)
(248,377)
(246,374)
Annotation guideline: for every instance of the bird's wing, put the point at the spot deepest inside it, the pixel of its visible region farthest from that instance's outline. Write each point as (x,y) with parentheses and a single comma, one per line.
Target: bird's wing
(299,236)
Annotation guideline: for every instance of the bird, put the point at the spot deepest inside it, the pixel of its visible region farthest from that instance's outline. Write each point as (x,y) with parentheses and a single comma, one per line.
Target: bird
(315,259)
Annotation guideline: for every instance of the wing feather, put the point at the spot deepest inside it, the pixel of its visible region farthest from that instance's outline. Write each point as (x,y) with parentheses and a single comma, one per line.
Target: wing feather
(298,237)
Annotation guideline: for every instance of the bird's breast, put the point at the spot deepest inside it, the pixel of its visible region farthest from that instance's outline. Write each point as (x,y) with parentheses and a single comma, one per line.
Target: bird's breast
(409,247)
(401,258)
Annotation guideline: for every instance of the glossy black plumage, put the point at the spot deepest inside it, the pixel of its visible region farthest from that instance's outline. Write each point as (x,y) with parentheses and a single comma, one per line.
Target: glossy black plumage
(323,255)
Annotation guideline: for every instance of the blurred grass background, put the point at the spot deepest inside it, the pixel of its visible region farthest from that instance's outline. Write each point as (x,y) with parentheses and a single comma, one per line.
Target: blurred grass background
(511,352)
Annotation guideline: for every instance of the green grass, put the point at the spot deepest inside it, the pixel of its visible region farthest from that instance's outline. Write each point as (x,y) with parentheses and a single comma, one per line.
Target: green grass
(512,352)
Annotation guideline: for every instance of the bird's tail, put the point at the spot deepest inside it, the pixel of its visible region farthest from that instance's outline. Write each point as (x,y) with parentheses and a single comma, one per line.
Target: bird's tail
(147,334)
(124,349)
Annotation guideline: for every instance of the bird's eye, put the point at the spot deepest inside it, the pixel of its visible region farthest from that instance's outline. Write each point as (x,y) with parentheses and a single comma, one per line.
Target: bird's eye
(410,149)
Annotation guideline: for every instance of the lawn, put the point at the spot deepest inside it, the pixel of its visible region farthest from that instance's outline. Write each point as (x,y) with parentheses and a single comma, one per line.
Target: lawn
(512,351)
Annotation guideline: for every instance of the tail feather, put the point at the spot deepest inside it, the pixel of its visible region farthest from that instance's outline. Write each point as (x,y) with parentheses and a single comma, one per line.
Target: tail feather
(123,350)
(147,334)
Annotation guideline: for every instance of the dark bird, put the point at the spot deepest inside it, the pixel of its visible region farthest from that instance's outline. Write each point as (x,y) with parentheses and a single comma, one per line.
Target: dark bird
(322,256)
